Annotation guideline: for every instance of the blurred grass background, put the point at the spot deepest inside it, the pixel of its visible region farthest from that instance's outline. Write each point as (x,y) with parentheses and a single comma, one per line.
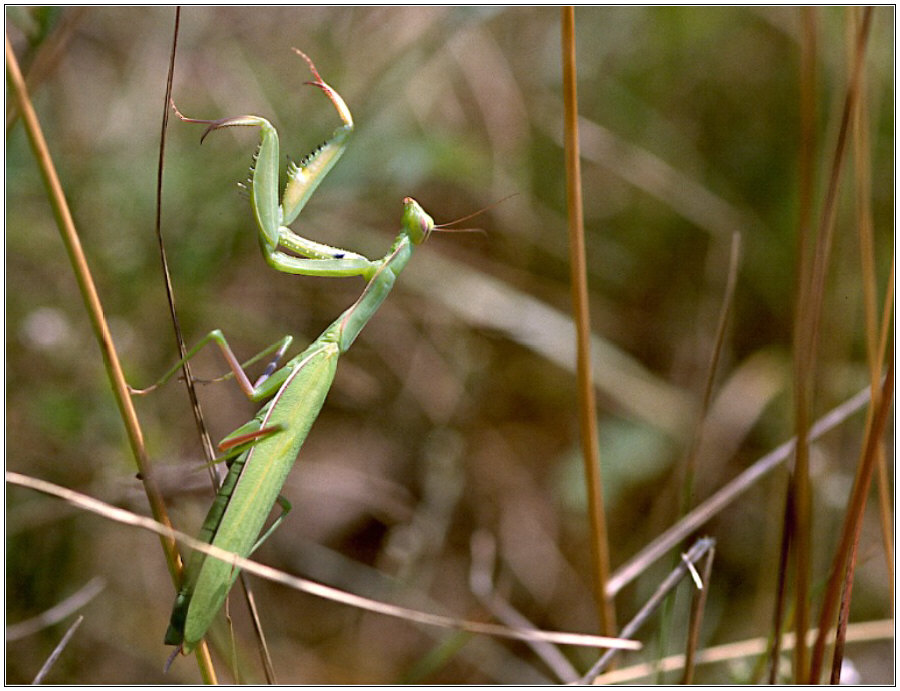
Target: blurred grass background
(453,415)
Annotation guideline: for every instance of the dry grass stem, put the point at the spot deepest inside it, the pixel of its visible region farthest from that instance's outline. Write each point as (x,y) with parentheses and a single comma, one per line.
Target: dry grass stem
(317,589)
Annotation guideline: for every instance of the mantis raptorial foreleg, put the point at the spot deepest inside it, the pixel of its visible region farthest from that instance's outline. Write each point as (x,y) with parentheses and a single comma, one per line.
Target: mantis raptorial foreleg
(273,218)
(298,389)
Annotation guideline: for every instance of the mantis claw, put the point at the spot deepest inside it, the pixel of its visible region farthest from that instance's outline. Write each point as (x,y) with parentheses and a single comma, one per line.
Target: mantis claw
(242,120)
(336,99)
(312,67)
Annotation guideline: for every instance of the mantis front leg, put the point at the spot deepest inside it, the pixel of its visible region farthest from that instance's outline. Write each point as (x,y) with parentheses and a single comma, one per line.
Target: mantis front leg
(272,218)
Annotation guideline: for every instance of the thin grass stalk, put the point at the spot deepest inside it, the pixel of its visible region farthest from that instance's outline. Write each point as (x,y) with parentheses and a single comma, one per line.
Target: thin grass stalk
(798,507)
(698,607)
(97,318)
(838,578)
(203,658)
(669,583)
(809,313)
(216,470)
(877,445)
(886,519)
(587,406)
(784,554)
(837,659)
(809,318)
(825,236)
(723,497)
(797,514)
(208,449)
(884,496)
(798,481)
(863,189)
(89,294)
(690,464)
(712,368)
(799,478)
(57,651)
(863,198)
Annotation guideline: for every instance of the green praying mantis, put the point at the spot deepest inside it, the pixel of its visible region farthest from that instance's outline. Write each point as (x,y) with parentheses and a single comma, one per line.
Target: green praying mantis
(265,448)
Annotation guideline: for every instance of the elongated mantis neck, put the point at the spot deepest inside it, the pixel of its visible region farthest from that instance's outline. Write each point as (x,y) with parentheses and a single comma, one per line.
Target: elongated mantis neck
(416,226)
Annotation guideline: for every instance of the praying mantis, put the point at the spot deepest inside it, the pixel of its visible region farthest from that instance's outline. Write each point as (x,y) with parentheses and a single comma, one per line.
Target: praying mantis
(265,448)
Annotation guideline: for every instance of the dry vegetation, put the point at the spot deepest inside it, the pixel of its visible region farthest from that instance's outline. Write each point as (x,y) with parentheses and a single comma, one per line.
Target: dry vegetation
(449,443)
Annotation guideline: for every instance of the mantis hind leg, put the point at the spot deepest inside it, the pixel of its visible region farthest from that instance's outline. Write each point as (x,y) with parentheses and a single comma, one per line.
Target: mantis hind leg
(286,507)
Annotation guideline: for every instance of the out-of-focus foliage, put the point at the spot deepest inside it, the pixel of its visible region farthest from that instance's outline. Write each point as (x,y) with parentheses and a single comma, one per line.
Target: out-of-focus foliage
(442,424)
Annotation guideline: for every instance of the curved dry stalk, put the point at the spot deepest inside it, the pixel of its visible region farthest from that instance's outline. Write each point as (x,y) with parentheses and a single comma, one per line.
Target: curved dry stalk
(305,585)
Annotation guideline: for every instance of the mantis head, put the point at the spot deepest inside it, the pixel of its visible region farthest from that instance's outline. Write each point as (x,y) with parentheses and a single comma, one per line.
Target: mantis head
(417,224)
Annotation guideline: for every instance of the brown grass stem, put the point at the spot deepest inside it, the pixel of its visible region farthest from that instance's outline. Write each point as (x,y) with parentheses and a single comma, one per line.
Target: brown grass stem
(97,318)
(587,405)
(795,537)
(89,294)
(881,404)
(810,299)
(862,157)
(712,368)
